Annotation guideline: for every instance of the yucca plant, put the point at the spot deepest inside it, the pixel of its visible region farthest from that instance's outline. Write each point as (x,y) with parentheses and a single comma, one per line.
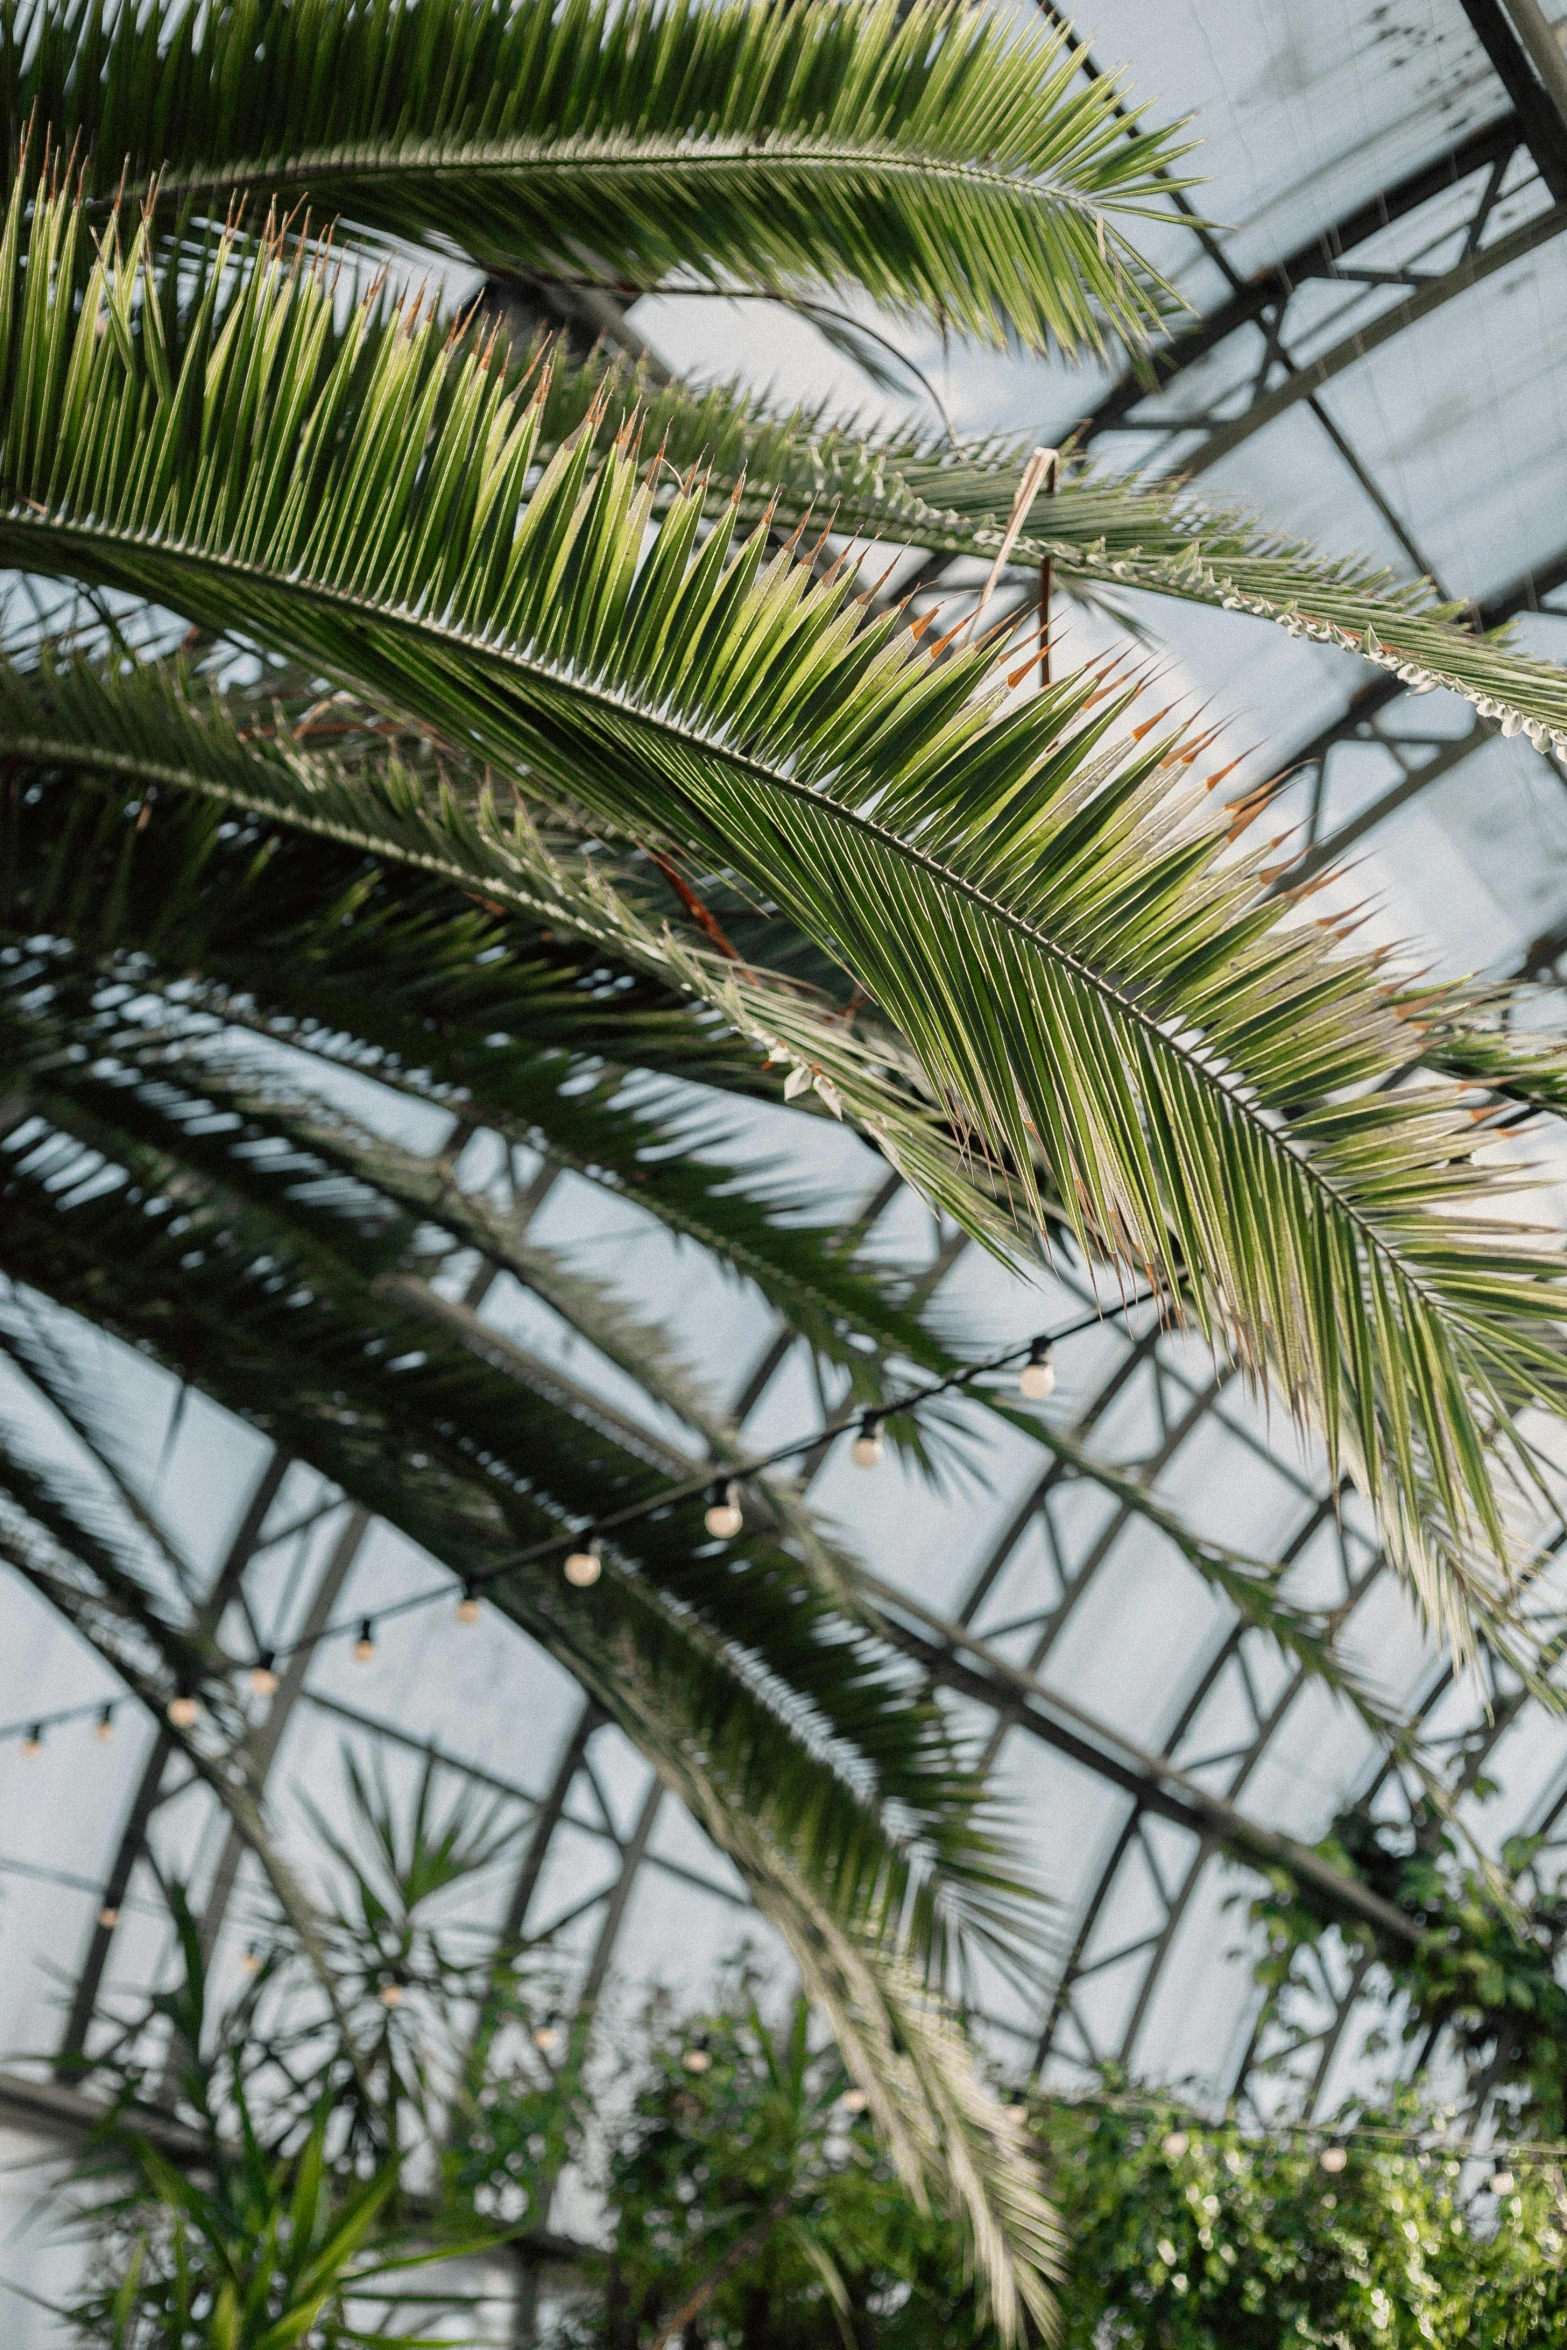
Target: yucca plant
(385,691)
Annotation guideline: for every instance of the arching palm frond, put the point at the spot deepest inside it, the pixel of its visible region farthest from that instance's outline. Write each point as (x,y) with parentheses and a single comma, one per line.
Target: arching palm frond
(99,866)
(950,166)
(1053,924)
(1097,530)
(796,1740)
(153,728)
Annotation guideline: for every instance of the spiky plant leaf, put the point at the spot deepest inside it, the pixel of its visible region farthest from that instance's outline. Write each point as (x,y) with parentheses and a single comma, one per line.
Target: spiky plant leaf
(1051,922)
(1097,530)
(153,728)
(953,168)
(803,1819)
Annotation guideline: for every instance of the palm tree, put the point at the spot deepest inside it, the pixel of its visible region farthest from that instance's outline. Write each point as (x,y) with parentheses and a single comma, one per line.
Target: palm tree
(387,689)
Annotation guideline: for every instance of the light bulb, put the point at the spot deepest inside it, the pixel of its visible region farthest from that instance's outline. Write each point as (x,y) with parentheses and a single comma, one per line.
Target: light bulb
(33,1744)
(183,1711)
(1174,2145)
(1333,2158)
(547,2039)
(584,1567)
(855,2101)
(724,1514)
(106,1724)
(868,1446)
(364,1646)
(251,1962)
(1501,2182)
(391,1995)
(262,1677)
(697,2060)
(1037,1379)
(468,1606)
(108,1917)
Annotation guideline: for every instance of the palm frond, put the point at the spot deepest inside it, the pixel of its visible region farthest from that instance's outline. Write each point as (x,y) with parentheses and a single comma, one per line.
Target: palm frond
(238,932)
(242,1290)
(1052,922)
(74,1034)
(862,1907)
(154,729)
(954,168)
(1097,531)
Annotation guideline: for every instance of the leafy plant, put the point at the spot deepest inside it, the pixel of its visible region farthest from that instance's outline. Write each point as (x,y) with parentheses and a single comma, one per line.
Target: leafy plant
(1483,1970)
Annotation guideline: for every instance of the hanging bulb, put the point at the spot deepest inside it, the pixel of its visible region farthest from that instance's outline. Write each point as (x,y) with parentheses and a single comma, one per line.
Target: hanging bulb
(263,1678)
(696,2059)
(1333,2158)
(183,1711)
(868,1446)
(468,1605)
(546,2037)
(724,1515)
(108,1917)
(106,1724)
(584,1567)
(855,2101)
(1174,2145)
(391,1995)
(33,1743)
(364,1646)
(1501,2182)
(1037,1379)
(251,1962)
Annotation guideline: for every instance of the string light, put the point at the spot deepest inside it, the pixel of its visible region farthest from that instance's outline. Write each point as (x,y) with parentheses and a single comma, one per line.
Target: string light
(1334,2158)
(251,1962)
(584,1567)
(868,1446)
(697,2058)
(108,1917)
(1501,2182)
(1037,1379)
(546,2036)
(724,1516)
(391,1995)
(1174,2145)
(855,2101)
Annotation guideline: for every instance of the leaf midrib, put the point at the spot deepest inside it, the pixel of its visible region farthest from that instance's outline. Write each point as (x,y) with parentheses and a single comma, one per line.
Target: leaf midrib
(404,621)
(349,160)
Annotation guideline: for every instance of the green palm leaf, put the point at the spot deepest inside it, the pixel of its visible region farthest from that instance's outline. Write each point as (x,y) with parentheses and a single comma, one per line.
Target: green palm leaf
(1097,530)
(156,729)
(1053,925)
(952,167)
(138,887)
(862,1908)
(240,933)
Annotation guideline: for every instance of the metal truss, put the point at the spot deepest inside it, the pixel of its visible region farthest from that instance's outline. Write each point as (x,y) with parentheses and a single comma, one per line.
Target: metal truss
(1496,195)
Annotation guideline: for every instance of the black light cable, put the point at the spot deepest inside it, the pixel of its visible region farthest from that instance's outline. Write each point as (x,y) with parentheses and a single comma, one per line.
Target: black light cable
(583,1564)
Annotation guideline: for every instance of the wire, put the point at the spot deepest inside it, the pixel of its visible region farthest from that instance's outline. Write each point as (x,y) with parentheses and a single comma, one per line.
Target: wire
(700,1483)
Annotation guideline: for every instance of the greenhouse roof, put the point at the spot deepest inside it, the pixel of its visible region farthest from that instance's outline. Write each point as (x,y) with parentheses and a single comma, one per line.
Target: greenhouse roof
(1373,356)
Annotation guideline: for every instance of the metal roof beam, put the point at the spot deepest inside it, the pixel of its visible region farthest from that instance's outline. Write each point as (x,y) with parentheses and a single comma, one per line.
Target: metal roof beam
(1517,41)
(954,1656)
(1483,150)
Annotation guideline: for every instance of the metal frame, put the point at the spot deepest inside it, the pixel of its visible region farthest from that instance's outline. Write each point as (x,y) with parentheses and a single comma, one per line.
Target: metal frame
(1164,1785)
